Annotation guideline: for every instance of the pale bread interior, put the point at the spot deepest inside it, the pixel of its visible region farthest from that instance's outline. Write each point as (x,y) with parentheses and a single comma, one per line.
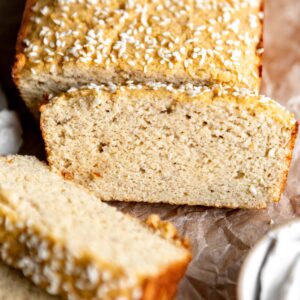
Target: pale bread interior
(154,146)
(81,223)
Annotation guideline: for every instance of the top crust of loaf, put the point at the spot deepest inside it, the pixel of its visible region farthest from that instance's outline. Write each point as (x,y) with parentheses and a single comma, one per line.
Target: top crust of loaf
(185,93)
(173,41)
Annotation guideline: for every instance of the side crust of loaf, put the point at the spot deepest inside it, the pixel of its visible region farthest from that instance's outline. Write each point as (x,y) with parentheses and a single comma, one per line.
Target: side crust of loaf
(20,59)
(155,288)
(288,160)
(260,45)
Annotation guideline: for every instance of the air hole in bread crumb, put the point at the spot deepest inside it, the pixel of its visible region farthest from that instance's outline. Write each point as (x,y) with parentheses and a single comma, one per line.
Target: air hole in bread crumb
(64,121)
(67,163)
(142,170)
(240,175)
(122,6)
(101,147)
(188,117)
(169,110)
(204,123)
(62,135)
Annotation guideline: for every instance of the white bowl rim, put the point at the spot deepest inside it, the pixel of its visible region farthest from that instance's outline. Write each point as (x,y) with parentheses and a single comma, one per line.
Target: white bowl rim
(251,253)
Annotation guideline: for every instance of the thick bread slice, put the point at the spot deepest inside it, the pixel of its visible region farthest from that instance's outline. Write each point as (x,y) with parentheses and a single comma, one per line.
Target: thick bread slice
(197,145)
(69,43)
(70,243)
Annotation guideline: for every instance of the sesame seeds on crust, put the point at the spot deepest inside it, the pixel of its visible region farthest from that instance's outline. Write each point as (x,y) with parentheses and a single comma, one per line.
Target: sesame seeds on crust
(82,255)
(49,264)
(189,92)
(205,40)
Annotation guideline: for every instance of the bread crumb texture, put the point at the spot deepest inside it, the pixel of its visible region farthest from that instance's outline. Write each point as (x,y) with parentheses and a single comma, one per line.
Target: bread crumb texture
(71,244)
(66,43)
(215,146)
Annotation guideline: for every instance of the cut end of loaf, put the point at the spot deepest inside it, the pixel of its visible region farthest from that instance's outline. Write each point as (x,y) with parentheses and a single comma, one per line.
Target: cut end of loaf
(45,231)
(197,145)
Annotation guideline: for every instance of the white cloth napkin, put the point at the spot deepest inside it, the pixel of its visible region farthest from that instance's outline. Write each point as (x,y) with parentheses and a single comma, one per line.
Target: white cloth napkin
(10,129)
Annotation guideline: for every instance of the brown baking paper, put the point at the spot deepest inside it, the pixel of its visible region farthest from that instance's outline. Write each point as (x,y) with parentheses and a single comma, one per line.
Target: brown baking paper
(220,238)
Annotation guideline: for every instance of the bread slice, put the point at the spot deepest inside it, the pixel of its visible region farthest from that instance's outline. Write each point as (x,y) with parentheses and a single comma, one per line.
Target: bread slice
(213,146)
(69,43)
(13,286)
(70,243)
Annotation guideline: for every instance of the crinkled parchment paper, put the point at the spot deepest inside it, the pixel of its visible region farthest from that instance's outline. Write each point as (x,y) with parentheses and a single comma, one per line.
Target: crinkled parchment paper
(220,238)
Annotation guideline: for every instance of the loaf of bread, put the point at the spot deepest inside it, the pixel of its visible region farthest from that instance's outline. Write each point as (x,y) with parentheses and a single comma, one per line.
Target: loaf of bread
(70,243)
(213,146)
(65,44)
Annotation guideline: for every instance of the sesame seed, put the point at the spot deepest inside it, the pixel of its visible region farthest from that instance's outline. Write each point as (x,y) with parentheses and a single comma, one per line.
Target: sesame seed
(253,190)
(271,152)
(260,51)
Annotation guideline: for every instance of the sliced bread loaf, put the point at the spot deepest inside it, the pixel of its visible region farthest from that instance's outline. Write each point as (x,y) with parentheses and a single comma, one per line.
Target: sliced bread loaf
(213,146)
(69,43)
(70,243)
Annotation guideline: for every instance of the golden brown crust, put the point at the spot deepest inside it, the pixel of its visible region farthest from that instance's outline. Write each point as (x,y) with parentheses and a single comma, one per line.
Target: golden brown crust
(166,230)
(261,42)
(288,160)
(20,59)
(164,286)
(24,30)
